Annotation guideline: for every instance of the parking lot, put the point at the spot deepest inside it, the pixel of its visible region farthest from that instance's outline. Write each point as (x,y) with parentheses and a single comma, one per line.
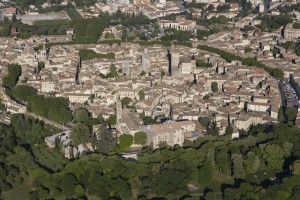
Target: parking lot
(288,94)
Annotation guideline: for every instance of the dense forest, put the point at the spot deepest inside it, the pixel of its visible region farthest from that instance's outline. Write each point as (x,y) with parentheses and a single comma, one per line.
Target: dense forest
(263,165)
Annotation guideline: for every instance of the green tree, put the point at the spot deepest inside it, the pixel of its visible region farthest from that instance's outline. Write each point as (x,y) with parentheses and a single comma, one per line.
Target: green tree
(213,129)
(297,49)
(141,95)
(24,35)
(228,130)
(251,163)
(109,36)
(33,195)
(68,184)
(112,120)
(41,65)
(148,120)
(247,28)
(206,97)
(80,134)
(88,54)
(22,159)
(4,30)
(140,138)
(210,8)
(106,142)
(205,174)
(296,167)
(201,63)
(214,87)
(79,191)
(222,159)
(275,51)
(11,79)
(246,191)
(238,169)
(211,156)
(272,156)
(98,186)
(124,34)
(287,149)
(101,119)
(247,50)
(201,34)
(143,73)
(223,8)
(288,44)
(113,71)
(291,113)
(54,108)
(61,115)
(126,101)
(23,92)
(204,121)
(81,115)
(42,192)
(125,141)
(162,73)
(280,115)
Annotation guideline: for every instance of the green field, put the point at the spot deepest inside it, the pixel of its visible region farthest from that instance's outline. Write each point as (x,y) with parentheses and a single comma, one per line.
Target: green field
(56,22)
(18,192)
(260,176)
(72,13)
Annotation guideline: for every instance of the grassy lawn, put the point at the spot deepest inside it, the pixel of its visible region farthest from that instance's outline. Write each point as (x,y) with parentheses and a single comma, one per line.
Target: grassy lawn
(261,176)
(72,13)
(215,185)
(56,22)
(18,192)
(50,158)
(53,129)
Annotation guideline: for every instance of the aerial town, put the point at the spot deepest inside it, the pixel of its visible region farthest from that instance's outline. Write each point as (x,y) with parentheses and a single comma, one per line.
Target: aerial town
(161,73)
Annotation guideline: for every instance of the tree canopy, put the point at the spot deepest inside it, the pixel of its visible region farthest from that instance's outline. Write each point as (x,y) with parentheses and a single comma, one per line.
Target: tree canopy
(240,166)
(125,141)
(55,108)
(140,138)
(23,92)
(88,54)
(14,71)
(214,87)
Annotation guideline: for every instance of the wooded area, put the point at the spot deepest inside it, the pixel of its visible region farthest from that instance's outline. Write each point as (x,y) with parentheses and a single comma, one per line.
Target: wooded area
(234,169)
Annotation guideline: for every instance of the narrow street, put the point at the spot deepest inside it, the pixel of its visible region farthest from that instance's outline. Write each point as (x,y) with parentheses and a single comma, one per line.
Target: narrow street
(288,97)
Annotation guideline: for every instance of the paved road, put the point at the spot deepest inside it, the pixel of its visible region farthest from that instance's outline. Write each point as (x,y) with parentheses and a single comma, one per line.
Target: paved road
(287,96)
